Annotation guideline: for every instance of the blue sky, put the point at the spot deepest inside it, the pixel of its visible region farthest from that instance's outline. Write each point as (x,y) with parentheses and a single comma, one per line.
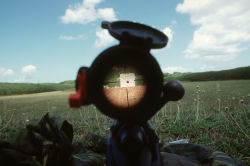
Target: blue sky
(47,41)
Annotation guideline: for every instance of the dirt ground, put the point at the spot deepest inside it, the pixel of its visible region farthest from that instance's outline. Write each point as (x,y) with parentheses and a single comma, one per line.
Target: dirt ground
(125,97)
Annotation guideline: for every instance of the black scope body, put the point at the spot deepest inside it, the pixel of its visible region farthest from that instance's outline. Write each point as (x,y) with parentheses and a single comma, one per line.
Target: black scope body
(141,92)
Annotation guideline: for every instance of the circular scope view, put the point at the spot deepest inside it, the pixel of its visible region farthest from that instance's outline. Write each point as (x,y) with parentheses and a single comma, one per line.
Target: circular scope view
(124,87)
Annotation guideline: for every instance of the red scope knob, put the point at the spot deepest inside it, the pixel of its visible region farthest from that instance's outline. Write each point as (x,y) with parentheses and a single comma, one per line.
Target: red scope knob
(76,100)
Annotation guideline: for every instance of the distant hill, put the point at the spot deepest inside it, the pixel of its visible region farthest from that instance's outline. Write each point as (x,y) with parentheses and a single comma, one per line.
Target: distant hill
(240,73)
(28,88)
(25,88)
(70,83)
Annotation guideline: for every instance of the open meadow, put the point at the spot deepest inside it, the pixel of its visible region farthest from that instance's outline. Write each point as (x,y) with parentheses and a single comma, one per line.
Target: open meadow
(213,113)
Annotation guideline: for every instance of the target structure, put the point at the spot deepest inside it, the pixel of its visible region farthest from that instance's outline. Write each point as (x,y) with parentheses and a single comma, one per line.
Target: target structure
(127,80)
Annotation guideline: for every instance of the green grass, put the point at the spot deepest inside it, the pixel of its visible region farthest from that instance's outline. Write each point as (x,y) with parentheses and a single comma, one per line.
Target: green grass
(26,88)
(213,113)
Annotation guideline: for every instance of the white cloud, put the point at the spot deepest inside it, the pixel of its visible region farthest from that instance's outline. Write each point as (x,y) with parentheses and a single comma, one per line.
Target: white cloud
(85,12)
(91,3)
(27,74)
(29,69)
(208,68)
(78,37)
(107,14)
(103,38)
(169,32)
(6,72)
(224,26)
(172,69)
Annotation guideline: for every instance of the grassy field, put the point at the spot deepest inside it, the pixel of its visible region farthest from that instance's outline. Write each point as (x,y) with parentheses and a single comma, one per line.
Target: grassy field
(29,88)
(213,113)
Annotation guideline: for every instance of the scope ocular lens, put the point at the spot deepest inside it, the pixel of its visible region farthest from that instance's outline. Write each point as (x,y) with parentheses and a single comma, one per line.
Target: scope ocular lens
(124,86)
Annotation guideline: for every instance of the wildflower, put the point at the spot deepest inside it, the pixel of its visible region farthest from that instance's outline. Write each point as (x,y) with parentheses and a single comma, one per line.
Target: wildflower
(226,108)
(194,99)
(241,101)
(27,120)
(197,87)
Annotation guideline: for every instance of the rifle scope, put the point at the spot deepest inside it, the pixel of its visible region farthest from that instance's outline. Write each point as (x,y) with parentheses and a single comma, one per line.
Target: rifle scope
(125,81)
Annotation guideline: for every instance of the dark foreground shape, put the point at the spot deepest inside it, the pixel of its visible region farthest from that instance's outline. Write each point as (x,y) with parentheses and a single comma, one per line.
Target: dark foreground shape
(133,144)
(48,142)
